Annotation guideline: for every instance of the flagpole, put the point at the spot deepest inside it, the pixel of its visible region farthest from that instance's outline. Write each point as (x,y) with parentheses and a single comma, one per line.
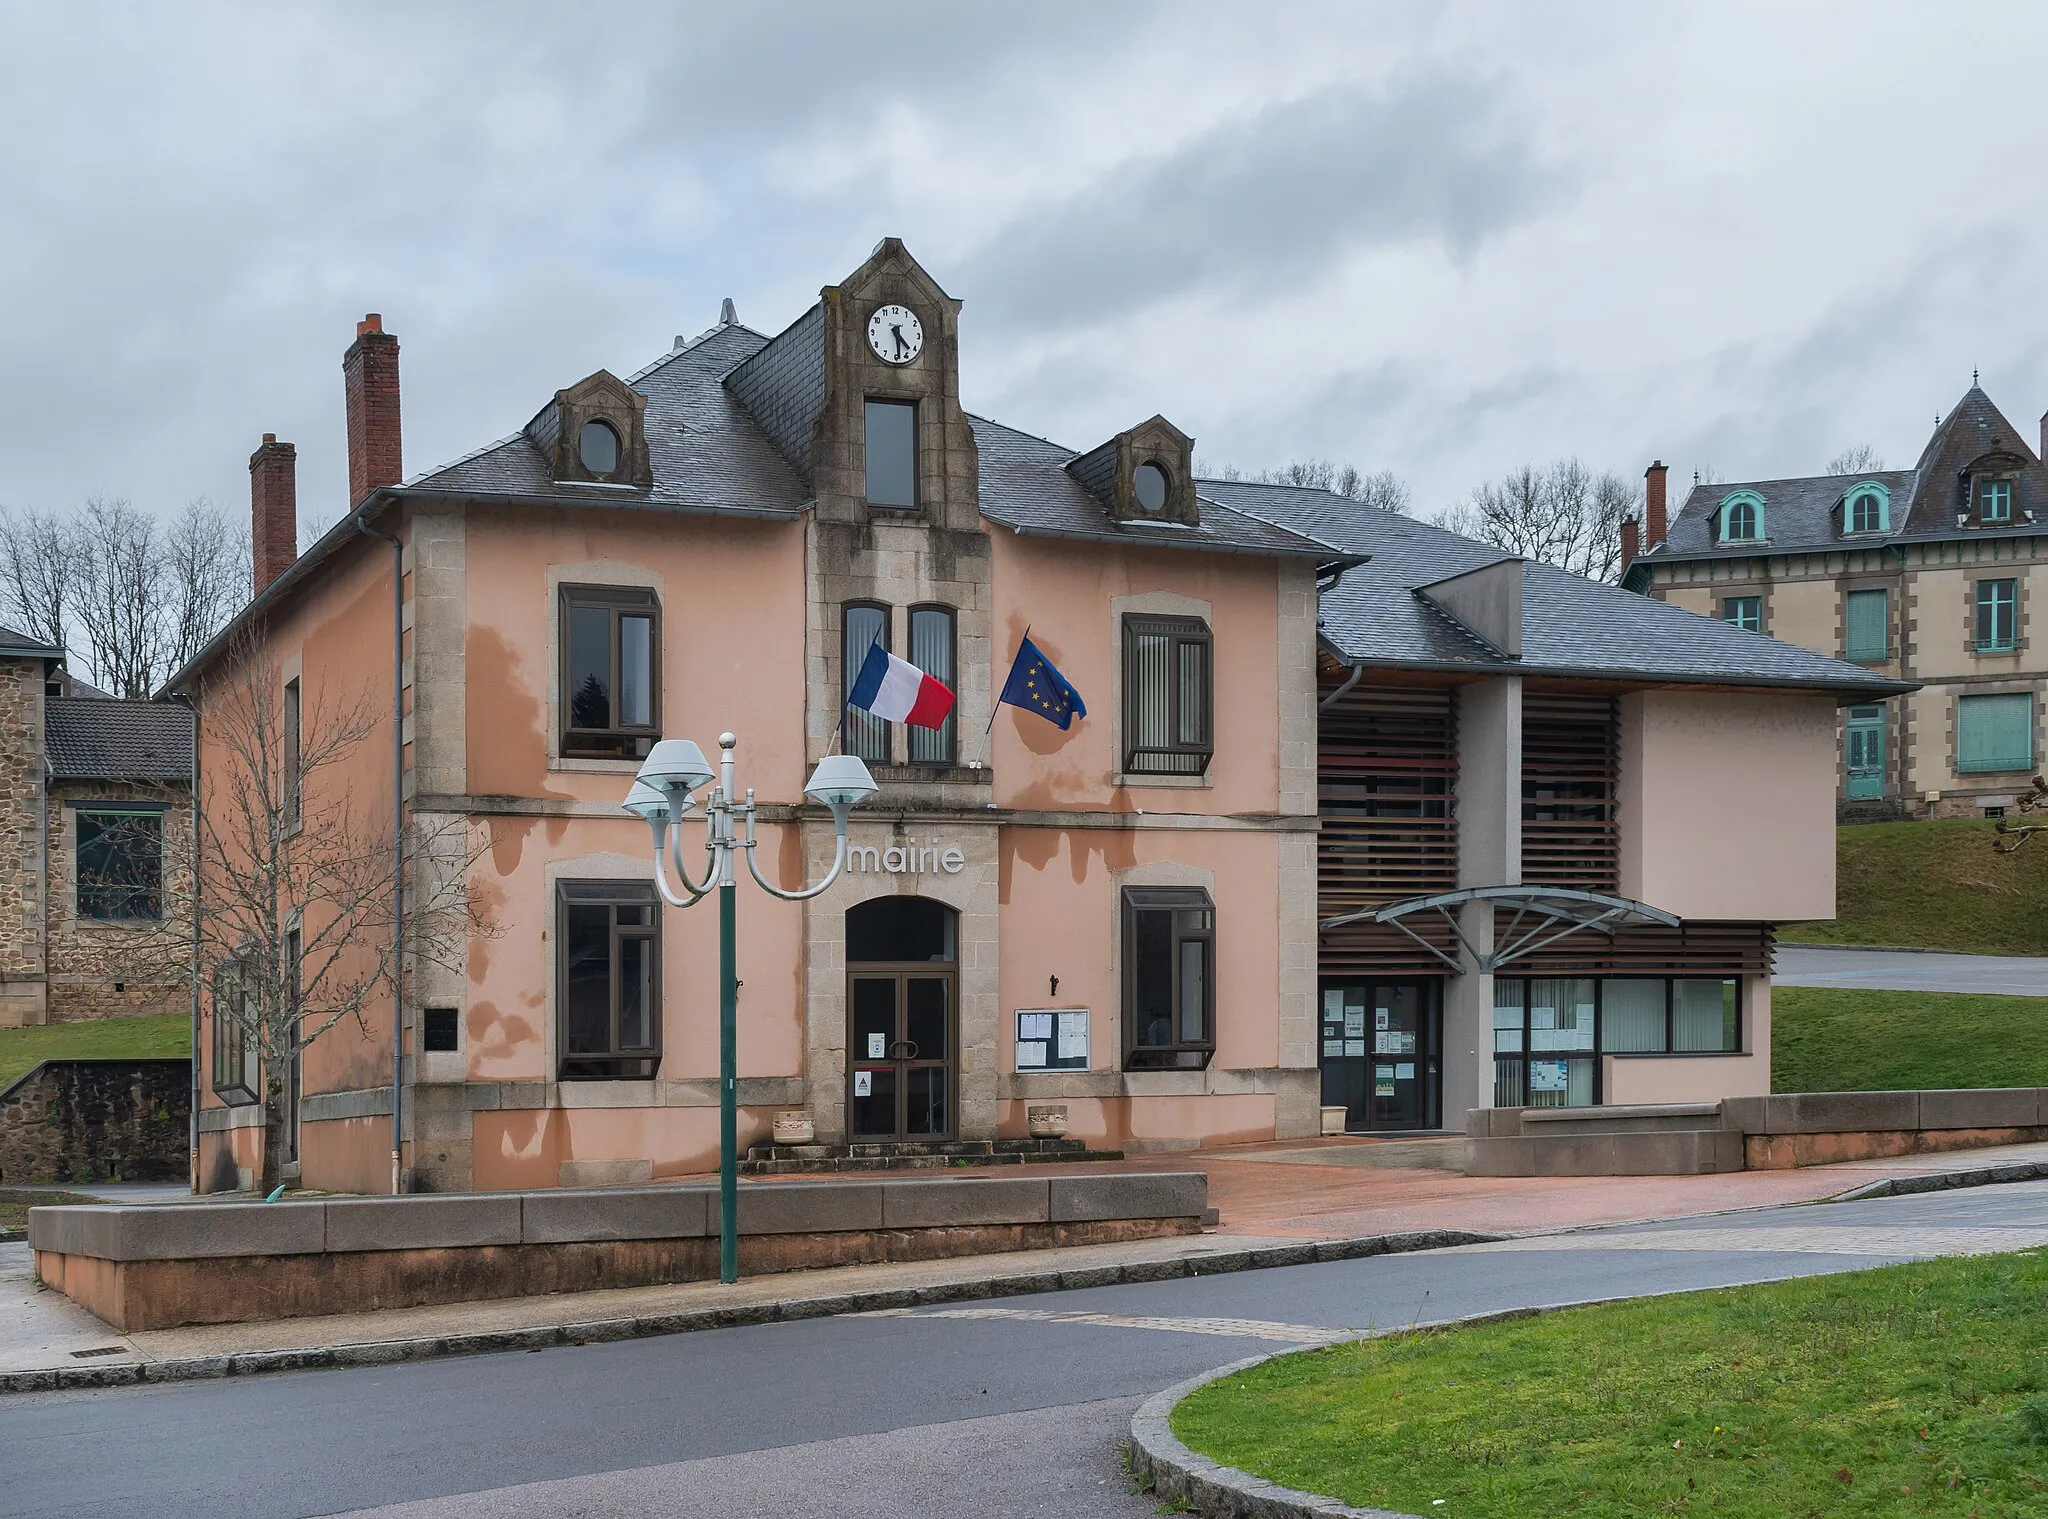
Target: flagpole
(997,703)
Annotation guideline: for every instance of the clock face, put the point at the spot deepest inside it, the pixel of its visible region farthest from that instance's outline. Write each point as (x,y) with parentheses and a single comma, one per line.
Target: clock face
(895,334)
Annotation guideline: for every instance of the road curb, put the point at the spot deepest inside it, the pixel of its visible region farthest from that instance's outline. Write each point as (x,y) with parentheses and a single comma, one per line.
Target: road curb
(1946,1181)
(644,1326)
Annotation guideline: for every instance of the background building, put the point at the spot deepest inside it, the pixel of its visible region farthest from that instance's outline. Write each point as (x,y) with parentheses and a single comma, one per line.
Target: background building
(1925,574)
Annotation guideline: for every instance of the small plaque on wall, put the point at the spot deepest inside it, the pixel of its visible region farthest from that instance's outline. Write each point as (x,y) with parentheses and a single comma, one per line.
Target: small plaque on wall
(1052,1039)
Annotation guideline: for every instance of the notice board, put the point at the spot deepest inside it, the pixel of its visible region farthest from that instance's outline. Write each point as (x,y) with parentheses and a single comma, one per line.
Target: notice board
(1052,1039)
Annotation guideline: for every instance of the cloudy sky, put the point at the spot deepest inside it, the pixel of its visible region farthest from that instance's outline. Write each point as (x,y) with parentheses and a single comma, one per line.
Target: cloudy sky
(1437,239)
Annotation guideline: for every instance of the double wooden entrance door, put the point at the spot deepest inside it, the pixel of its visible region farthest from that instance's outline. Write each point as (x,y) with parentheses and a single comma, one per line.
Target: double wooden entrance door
(900,1052)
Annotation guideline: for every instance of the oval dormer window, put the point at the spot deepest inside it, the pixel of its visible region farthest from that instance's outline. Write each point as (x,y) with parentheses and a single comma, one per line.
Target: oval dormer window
(598,447)
(1148,483)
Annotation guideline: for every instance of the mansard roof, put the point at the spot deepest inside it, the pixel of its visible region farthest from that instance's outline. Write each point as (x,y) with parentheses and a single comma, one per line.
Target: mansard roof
(1571,626)
(1926,501)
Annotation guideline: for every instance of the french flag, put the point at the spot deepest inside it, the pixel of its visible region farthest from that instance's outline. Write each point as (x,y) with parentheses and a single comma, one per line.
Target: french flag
(898,692)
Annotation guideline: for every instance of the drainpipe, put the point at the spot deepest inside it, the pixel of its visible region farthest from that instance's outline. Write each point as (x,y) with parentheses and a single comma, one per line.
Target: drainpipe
(397,833)
(1357,674)
(194,710)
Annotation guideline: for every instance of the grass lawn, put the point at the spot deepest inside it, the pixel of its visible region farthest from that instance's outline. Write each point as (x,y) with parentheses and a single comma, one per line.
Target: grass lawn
(1935,886)
(1909,1390)
(1829,1040)
(21,1049)
(16,1201)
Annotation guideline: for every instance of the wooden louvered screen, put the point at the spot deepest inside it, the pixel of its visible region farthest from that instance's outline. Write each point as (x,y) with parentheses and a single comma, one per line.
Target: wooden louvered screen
(1387,770)
(1569,835)
(1691,949)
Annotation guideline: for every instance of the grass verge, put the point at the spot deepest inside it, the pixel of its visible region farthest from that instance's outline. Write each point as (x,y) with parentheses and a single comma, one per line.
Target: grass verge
(165,1037)
(1825,1039)
(1908,1390)
(16,1201)
(1934,886)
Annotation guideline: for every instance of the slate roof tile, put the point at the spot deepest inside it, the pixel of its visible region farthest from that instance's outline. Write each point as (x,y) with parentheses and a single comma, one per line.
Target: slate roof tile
(99,738)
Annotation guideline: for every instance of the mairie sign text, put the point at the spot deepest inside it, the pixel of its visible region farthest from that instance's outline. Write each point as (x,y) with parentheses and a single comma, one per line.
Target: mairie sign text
(906,859)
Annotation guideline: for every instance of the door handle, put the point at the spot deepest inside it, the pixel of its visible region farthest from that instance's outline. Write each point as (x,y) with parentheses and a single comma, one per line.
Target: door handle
(903,1049)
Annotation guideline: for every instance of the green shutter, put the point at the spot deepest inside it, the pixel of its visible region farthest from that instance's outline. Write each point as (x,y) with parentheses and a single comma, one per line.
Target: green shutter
(1995,732)
(1865,616)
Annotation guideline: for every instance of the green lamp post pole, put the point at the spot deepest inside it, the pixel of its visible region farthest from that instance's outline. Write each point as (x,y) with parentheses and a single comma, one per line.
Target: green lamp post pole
(660,796)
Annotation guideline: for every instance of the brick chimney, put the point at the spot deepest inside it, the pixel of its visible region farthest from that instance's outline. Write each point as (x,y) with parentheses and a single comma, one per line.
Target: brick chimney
(273,509)
(1653,503)
(2044,437)
(369,377)
(1630,542)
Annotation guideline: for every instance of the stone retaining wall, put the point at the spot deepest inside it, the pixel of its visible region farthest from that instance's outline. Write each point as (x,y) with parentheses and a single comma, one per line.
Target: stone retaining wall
(213,1263)
(82,1121)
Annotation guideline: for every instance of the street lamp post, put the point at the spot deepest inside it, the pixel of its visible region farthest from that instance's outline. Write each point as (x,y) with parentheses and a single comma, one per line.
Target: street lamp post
(660,795)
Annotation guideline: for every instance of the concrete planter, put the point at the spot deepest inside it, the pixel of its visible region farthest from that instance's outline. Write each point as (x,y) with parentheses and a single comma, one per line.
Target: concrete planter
(1047,1120)
(1333,1120)
(794,1128)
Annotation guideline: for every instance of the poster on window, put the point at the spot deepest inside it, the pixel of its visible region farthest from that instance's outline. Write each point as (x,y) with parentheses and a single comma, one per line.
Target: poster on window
(1386,1043)
(1383,1081)
(1380,1015)
(863,1083)
(1333,1049)
(878,1046)
(1333,1005)
(1547,1076)
(1354,1047)
(1354,1023)
(1030,1054)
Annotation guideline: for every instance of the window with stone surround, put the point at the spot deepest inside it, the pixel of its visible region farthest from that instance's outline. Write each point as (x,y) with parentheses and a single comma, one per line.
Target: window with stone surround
(120,864)
(931,650)
(862,625)
(607,980)
(1169,978)
(611,671)
(1744,612)
(1166,674)
(891,454)
(1997,616)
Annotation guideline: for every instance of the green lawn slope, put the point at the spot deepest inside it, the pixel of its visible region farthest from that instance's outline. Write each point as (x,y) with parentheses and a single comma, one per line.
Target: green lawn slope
(22,1049)
(1935,886)
(1824,1039)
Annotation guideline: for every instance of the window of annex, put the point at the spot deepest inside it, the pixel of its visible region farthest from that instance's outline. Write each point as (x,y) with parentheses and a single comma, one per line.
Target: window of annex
(1997,622)
(237,1054)
(119,856)
(1167,675)
(1866,626)
(1549,1032)
(607,980)
(891,454)
(1867,509)
(1742,517)
(611,671)
(1995,733)
(1744,612)
(1169,992)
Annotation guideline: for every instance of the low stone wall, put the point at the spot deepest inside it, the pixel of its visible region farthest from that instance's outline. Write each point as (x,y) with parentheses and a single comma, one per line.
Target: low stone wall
(215,1263)
(1817,1128)
(82,1121)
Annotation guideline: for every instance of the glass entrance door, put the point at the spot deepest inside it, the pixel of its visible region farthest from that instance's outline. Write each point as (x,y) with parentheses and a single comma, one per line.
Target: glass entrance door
(1380,1056)
(899,1066)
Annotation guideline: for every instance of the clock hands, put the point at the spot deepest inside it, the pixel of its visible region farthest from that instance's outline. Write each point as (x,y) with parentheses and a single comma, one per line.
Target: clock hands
(902,348)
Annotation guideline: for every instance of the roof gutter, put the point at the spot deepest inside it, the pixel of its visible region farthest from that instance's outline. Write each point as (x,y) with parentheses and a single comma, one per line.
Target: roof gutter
(360,517)
(1323,558)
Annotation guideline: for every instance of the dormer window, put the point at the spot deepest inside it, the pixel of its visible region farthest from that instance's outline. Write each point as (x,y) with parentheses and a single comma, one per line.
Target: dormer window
(1742,517)
(598,447)
(1867,510)
(1994,500)
(1149,483)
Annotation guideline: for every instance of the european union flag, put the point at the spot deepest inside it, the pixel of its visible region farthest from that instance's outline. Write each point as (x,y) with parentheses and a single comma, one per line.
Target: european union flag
(1037,687)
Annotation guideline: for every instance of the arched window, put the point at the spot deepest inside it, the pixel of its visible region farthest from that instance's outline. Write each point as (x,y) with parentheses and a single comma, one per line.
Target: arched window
(1868,509)
(863,624)
(1742,517)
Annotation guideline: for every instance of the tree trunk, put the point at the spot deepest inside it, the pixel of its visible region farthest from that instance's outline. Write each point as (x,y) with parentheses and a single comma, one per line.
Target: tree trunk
(273,1135)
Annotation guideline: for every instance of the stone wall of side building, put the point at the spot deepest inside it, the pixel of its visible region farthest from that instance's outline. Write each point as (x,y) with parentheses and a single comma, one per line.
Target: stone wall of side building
(118,970)
(22,989)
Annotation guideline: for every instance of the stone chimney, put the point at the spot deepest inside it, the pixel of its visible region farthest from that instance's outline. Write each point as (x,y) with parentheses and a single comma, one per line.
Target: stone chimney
(1630,542)
(1653,503)
(369,377)
(273,509)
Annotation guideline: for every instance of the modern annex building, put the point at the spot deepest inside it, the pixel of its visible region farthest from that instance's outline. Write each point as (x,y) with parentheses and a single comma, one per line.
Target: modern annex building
(1924,574)
(1127,917)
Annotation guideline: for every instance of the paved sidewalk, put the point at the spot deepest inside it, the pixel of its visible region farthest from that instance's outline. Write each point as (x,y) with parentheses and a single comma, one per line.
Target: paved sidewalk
(1910,970)
(1274,1212)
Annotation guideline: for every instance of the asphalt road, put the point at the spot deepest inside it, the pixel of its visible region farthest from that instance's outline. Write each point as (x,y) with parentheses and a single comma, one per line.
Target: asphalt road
(1012,1407)
(1911,970)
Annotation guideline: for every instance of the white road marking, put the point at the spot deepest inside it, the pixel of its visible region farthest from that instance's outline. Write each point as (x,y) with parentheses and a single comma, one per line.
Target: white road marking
(1919,1242)
(1237,1329)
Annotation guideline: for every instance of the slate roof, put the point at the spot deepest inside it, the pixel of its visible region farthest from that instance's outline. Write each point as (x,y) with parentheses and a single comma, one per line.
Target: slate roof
(706,452)
(1571,626)
(100,739)
(21,644)
(1025,485)
(1805,512)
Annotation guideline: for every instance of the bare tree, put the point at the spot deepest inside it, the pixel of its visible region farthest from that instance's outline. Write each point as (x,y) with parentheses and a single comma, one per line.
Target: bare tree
(295,933)
(1382,489)
(117,572)
(207,570)
(2009,834)
(1855,461)
(1563,514)
(35,573)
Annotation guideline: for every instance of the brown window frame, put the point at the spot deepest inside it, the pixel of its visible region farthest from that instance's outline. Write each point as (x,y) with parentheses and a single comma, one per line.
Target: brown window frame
(1176,1053)
(909,404)
(615,1063)
(944,739)
(865,736)
(237,1063)
(1176,757)
(620,741)
(292,724)
(112,901)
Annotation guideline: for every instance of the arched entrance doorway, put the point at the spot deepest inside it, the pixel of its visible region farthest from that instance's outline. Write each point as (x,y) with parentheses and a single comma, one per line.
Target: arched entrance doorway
(902,988)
